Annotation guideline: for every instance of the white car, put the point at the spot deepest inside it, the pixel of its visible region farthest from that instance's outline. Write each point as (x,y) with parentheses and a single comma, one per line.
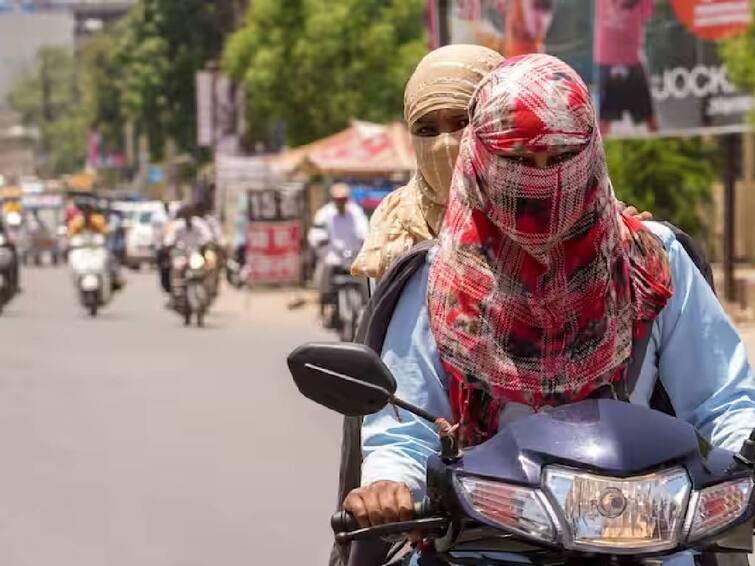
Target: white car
(141,233)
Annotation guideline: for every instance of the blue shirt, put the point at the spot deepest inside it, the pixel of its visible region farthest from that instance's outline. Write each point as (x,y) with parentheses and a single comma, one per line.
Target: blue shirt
(694,348)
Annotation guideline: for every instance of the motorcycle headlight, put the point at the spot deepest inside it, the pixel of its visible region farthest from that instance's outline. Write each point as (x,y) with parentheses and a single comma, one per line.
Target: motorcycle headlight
(518,509)
(196,261)
(719,506)
(623,515)
(90,283)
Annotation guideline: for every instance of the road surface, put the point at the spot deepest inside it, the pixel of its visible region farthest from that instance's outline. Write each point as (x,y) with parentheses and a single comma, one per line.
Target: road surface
(129,440)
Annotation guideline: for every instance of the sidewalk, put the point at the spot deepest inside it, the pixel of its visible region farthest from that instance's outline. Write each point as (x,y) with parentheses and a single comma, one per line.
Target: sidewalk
(744,309)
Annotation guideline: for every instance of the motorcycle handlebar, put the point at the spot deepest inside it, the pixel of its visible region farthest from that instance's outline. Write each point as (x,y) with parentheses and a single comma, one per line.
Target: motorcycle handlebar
(345,522)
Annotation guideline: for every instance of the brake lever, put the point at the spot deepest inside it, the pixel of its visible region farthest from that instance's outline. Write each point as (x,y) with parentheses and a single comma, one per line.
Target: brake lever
(428,524)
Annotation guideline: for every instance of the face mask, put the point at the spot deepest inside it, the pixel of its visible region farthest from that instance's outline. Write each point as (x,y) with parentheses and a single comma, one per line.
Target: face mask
(436,159)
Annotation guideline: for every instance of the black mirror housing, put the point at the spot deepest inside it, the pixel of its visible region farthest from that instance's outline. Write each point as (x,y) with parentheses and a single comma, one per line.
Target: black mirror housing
(348,378)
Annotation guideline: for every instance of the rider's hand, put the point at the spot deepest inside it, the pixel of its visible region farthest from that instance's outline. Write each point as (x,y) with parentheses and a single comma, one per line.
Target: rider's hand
(379,503)
(632,211)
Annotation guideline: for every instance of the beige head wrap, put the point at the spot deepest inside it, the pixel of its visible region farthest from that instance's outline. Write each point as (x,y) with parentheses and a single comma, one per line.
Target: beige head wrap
(445,79)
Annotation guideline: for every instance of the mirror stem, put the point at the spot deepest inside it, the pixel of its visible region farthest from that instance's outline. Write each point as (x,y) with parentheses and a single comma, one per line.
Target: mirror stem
(412,409)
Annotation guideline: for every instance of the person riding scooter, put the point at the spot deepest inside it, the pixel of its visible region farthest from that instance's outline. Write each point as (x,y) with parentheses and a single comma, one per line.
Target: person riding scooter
(337,233)
(528,303)
(89,220)
(187,230)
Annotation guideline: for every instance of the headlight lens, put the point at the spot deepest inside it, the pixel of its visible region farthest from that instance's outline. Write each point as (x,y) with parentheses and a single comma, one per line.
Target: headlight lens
(720,505)
(625,515)
(196,261)
(515,508)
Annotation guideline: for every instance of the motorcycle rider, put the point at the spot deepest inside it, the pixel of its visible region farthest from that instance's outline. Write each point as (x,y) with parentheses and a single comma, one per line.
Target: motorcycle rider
(88,219)
(189,231)
(536,292)
(435,109)
(337,231)
(13,272)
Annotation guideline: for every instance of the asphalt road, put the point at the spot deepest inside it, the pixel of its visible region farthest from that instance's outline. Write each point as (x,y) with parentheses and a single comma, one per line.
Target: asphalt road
(130,440)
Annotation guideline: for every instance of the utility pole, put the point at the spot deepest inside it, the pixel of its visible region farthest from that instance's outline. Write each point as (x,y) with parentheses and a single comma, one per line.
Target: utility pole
(47,109)
(731,157)
(444,31)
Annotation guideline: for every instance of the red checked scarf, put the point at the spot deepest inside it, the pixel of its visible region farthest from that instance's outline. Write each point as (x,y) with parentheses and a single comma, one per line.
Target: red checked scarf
(540,283)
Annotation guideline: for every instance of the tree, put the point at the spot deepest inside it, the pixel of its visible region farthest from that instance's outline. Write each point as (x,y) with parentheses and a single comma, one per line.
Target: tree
(315,64)
(671,177)
(162,44)
(101,86)
(47,100)
(739,55)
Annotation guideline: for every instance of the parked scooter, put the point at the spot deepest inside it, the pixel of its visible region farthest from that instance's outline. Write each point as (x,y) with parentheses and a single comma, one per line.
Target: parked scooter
(189,284)
(90,263)
(597,482)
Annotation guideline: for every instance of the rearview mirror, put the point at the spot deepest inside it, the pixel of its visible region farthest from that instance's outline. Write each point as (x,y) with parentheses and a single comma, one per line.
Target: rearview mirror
(348,378)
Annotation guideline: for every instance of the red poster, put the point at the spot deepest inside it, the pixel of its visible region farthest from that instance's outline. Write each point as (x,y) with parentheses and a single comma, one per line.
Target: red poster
(714,19)
(273,252)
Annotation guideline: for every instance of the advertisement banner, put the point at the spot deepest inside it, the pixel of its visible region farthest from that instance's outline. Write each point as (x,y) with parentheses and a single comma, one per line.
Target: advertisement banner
(273,235)
(370,195)
(217,101)
(273,252)
(651,65)
(204,82)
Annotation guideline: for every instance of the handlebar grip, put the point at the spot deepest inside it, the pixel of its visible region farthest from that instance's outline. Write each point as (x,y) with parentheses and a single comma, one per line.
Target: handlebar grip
(345,522)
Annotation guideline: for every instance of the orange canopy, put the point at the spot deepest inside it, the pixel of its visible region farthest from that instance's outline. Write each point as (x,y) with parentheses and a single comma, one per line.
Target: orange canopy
(365,150)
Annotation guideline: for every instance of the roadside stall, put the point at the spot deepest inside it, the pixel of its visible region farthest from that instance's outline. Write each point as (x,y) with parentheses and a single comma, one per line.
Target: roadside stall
(374,159)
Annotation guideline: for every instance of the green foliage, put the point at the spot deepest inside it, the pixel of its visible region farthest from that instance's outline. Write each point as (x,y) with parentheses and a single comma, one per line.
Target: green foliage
(101,85)
(316,64)
(47,91)
(162,44)
(66,142)
(670,177)
(48,99)
(739,55)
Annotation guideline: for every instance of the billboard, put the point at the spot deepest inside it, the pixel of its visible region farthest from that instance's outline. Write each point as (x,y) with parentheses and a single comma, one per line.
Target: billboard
(273,252)
(652,65)
(273,235)
(217,100)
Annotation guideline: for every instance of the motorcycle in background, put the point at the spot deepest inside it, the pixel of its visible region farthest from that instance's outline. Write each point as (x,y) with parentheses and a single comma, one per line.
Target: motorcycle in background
(351,297)
(89,260)
(343,304)
(8,272)
(189,284)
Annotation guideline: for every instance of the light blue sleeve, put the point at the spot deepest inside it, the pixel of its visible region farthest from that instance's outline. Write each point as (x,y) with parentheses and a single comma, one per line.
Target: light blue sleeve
(398,450)
(701,359)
